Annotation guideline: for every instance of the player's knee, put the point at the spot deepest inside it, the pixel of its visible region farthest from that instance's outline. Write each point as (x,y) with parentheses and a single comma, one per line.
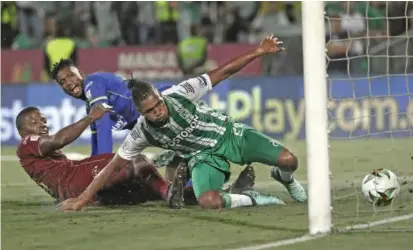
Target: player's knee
(287,160)
(211,200)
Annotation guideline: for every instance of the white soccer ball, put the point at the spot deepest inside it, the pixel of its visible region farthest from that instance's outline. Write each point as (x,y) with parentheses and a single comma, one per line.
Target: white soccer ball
(380,187)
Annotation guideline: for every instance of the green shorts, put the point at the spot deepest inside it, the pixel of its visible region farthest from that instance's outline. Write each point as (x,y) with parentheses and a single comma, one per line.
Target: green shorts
(241,144)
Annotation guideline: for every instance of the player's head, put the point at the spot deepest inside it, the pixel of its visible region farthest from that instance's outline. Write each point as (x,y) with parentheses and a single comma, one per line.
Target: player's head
(31,122)
(67,75)
(148,101)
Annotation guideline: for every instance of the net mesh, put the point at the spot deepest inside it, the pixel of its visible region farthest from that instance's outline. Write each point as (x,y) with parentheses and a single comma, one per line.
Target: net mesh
(370,93)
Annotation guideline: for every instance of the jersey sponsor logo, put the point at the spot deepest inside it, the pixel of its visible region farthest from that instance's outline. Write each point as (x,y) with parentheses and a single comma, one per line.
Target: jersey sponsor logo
(184,133)
(188,87)
(120,123)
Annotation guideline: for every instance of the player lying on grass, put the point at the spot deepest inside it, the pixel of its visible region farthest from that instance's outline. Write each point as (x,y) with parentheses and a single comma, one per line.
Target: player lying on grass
(108,88)
(209,140)
(62,178)
(40,156)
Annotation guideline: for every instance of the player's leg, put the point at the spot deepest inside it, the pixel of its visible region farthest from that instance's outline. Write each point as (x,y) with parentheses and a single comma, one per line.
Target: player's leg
(141,171)
(134,184)
(170,160)
(257,147)
(144,170)
(208,181)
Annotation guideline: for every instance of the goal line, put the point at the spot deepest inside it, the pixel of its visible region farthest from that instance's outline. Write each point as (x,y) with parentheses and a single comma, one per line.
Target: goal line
(346,229)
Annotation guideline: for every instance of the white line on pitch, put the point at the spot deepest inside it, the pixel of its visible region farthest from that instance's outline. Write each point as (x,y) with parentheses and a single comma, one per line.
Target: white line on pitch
(305,238)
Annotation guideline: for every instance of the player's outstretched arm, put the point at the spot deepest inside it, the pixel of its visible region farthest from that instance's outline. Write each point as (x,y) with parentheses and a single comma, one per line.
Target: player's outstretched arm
(133,145)
(70,133)
(269,45)
(95,186)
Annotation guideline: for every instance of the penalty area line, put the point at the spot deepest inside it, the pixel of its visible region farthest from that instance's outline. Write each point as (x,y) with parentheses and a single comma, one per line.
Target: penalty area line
(307,237)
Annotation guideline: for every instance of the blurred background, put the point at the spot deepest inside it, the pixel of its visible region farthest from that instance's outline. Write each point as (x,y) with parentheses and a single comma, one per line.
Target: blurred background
(359,33)
(169,40)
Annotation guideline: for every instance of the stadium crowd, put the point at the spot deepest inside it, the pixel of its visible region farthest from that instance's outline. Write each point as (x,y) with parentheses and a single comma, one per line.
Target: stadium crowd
(95,24)
(351,26)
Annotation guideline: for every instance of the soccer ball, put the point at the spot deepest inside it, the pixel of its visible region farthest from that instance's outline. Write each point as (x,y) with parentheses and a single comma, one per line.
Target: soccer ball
(380,187)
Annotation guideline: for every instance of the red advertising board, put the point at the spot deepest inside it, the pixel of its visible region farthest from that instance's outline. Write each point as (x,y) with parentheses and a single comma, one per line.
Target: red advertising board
(158,62)
(22,66)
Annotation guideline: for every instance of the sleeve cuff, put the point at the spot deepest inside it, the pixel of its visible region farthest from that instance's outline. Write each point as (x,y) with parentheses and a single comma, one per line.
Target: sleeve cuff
(205,78)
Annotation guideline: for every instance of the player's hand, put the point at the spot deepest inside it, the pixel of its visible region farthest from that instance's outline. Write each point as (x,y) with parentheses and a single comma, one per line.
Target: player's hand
(270,44)
(98,110)
(71,204)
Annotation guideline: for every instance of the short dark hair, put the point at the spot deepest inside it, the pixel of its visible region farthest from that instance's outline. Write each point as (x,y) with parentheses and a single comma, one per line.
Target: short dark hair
(140,90)
(22,115)
(63,63)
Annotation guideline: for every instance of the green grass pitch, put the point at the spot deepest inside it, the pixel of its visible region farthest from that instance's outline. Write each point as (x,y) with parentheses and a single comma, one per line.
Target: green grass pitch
(30,220)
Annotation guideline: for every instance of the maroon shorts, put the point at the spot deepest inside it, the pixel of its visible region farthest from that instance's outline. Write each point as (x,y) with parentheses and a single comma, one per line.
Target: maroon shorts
(121,189)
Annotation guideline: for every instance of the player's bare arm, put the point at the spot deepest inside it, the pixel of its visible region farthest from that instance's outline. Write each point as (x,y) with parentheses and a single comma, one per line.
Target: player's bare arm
(269,45)
(70,133)
(75,204)
(133,145)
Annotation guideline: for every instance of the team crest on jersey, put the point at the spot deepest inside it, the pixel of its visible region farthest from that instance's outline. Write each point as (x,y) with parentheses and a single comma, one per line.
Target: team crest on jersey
(95,171)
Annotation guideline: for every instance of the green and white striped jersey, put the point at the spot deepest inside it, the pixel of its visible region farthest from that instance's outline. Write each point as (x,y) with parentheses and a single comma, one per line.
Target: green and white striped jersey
(191,128)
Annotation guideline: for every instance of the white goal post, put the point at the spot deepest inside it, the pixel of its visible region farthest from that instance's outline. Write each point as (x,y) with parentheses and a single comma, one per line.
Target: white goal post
(315,92)
(366,101)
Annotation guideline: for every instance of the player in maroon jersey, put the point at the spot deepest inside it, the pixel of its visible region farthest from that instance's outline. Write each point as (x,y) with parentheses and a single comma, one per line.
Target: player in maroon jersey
(40,156)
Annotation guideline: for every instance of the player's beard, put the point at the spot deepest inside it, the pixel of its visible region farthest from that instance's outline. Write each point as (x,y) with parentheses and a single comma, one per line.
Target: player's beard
(160,123)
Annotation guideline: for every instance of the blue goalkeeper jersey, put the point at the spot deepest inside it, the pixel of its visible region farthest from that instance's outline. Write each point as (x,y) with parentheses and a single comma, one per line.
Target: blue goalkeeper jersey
(104,87)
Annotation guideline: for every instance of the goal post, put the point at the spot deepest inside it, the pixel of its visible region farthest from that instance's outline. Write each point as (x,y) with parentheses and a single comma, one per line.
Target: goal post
(315,94)
(363,79)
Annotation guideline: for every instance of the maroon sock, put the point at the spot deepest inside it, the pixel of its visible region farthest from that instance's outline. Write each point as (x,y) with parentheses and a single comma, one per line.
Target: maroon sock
(158,184)
(152,177)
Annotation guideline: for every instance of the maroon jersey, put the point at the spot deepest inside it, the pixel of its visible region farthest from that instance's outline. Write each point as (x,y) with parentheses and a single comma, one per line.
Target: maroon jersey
(55,173)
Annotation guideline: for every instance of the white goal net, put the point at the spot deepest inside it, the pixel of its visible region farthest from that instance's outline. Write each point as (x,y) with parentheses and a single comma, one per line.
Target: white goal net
(370,94)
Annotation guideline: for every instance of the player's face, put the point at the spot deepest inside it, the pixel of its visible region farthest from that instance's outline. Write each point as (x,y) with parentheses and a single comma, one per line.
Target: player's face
(71,81)
(36,124)
(154,109)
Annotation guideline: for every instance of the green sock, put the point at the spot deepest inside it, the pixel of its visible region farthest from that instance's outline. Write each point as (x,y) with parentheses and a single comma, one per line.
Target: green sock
(236,200)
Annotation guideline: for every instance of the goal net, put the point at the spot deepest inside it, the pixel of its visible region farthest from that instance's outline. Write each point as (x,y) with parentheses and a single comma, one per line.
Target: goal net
(369,54)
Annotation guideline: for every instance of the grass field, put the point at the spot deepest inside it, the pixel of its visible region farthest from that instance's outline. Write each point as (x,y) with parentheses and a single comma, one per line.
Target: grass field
(30,220)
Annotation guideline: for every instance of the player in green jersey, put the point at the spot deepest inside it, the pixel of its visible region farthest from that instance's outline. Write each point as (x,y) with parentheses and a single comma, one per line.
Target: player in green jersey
(207,139)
